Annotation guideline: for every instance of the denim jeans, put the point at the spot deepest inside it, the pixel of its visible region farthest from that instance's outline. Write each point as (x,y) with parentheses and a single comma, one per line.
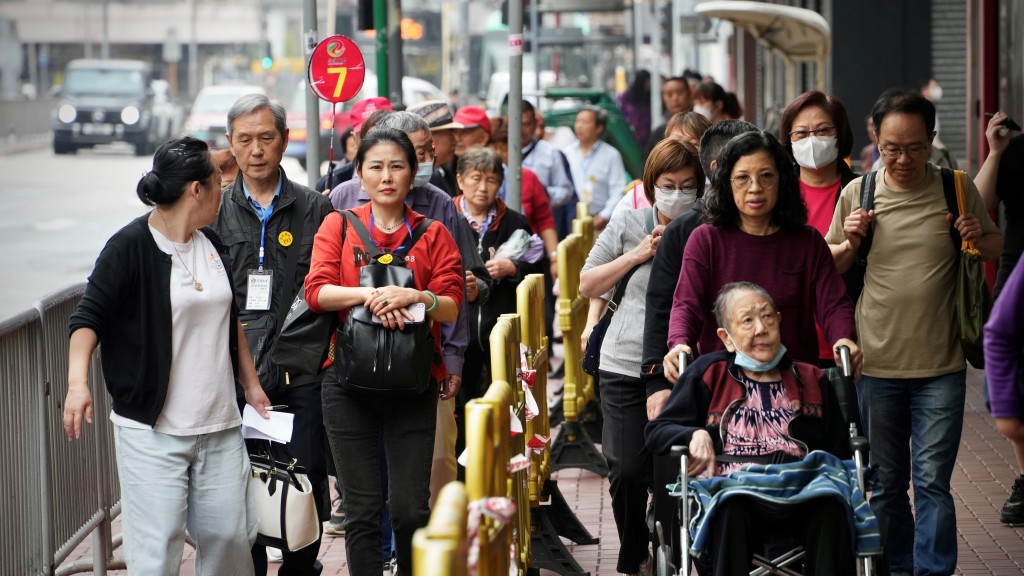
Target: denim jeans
(170,483)
(914,426)
(356,422)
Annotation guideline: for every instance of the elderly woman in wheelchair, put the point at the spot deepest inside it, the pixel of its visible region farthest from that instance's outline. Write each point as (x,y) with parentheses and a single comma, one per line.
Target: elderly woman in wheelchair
(770,435)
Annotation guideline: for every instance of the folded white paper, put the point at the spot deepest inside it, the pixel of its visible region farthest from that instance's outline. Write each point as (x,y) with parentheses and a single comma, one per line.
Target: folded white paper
(277,429)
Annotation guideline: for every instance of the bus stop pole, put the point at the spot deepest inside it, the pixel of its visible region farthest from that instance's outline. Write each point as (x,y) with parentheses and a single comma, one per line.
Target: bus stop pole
(513,195)
(312,101)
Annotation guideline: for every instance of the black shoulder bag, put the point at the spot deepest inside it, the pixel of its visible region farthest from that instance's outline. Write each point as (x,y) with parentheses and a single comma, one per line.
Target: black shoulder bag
(369,356)
(592,355)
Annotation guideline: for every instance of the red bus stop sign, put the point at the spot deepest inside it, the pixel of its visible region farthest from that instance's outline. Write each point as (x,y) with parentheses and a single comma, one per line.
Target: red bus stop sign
(336,69)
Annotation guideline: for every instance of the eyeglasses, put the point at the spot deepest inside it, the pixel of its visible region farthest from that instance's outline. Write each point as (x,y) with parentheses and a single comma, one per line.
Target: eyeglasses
(765,180)
(823,131)
(893,152)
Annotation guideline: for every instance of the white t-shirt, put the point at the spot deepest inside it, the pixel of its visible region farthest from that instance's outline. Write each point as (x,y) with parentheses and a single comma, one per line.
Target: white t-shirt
(201,390)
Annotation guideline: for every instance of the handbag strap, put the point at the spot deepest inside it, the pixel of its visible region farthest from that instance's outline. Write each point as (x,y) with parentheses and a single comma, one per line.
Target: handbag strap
(292,259)
(960,183)
(620,288)
(371,247)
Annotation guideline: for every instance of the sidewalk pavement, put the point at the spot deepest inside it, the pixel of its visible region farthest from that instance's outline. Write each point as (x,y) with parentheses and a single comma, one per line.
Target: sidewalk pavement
(986,469)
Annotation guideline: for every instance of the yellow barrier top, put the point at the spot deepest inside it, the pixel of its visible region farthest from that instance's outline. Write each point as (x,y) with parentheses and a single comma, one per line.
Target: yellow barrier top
(439,548)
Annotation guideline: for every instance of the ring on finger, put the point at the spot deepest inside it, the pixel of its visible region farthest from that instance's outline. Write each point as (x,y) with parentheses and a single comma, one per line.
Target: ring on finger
(384,302)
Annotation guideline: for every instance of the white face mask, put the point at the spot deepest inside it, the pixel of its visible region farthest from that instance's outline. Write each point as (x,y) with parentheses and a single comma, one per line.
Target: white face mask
(815,151)
(936,93)
(424,170)
(704,111)
(673,203)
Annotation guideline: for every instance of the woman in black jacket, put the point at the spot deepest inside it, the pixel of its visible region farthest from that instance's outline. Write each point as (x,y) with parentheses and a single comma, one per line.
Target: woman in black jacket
(160,300)
(479,176)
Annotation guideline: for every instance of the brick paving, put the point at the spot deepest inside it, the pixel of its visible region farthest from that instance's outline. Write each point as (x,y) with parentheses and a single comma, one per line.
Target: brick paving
(986,469)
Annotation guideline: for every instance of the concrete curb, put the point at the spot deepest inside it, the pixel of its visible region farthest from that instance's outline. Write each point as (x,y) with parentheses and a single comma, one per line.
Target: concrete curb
(22,144)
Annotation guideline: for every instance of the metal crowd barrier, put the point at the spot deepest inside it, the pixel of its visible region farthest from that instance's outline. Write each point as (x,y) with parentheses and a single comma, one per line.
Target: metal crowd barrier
(505,364)
(488,427)
(548,521)
(438,549)
(574,447)
(57,493)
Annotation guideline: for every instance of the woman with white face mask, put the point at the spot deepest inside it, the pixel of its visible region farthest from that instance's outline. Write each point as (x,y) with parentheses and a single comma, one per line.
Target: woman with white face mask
(816,132)
(673,181)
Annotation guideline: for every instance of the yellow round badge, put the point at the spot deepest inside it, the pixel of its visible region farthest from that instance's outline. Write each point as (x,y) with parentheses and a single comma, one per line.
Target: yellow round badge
(386,259)
(285,238)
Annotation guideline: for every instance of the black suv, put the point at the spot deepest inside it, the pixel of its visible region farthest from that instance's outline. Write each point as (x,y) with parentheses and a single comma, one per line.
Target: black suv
(104,101)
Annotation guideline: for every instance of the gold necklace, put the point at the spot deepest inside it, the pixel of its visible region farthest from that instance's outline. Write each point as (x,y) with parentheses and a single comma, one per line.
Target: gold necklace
(195,283)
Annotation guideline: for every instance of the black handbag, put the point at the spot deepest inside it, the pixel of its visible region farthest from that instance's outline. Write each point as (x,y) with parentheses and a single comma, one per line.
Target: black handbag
(592,355)
(371,357)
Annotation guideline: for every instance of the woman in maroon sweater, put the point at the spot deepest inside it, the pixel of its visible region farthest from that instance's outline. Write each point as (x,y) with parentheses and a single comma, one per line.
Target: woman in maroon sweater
(360,421)
(757,231)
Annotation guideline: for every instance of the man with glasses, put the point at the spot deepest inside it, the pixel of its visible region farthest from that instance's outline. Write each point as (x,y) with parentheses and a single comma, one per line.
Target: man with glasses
(914,378)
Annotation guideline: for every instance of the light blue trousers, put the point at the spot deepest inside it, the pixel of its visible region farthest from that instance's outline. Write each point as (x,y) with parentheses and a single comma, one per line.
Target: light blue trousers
(173,483)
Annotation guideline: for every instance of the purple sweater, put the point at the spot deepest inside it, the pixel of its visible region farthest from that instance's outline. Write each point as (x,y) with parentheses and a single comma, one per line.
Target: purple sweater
(795,267)
(1004,347)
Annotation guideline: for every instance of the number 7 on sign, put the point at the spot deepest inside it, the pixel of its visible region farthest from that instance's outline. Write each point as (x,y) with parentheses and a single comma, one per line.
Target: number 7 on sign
(341,71)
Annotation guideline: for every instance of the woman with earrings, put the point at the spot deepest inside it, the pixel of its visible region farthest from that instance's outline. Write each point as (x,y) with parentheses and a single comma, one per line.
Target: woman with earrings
(349,248)
(159,299)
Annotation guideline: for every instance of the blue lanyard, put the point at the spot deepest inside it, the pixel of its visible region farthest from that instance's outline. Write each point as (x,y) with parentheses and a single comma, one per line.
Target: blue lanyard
(407,227)
(264,215)
(483,231)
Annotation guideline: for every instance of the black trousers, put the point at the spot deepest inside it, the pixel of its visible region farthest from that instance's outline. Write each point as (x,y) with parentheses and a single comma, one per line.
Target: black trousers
(744,525)
(630,466)
(307,446)
(357,422)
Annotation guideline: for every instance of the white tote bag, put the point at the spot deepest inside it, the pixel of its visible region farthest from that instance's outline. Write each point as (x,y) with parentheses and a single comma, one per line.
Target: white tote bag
(285,502)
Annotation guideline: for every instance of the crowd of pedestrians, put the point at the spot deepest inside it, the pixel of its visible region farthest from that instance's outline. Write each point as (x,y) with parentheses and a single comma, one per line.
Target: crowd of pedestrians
(749,252)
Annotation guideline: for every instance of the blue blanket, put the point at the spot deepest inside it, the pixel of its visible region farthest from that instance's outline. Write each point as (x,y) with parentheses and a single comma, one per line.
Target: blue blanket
(818,475)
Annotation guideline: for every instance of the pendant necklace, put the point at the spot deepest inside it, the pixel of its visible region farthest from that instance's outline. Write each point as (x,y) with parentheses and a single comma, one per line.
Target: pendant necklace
(195,283)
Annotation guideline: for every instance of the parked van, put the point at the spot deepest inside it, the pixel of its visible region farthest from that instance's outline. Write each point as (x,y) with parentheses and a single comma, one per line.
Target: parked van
(106,101)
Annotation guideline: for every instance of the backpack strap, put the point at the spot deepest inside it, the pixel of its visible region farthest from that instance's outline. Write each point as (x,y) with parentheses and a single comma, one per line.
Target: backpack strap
(950,192)
(867,203)
(371,247)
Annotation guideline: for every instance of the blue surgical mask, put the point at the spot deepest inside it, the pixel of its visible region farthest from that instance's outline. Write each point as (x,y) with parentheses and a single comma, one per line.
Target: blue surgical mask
(424,170)
(744,361)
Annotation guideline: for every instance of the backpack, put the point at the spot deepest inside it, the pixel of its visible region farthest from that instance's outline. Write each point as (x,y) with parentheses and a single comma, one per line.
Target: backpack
(373,358)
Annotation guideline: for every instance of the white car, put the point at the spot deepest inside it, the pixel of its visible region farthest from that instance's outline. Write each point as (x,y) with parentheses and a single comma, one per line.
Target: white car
(208,118)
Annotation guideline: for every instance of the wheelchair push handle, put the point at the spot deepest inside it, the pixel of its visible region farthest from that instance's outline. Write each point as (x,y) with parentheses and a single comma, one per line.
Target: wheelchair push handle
(845,363)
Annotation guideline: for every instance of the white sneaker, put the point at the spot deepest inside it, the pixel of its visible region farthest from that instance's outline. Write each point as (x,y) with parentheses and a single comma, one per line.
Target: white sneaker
(273,554)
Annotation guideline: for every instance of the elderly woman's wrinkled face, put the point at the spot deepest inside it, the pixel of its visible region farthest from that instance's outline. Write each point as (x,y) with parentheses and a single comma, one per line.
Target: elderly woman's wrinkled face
(479,188)
(753,326)
(755,186)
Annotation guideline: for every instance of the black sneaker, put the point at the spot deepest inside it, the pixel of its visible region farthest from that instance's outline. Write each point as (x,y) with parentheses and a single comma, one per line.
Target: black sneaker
(1013,508)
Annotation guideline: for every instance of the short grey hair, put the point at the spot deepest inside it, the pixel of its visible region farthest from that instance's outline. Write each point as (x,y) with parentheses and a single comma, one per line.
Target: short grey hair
(723,303)
(600,114)
(252,103)
(404,121)
(481,159)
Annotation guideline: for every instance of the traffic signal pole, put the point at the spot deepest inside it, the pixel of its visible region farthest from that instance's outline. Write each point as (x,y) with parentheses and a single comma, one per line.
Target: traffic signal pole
(513,196)
(380,25)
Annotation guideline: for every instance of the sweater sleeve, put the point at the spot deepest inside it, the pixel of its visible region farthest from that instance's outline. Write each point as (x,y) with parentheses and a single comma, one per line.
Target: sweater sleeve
(687,318)
(104,289)
(833,307)
(685,412)
(609,244)
(446,277)
(325,262)
(1004,347)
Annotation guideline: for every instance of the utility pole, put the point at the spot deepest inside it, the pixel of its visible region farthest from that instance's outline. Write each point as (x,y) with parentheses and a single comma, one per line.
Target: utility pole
(105,40)
(395,64)
(310,39)
(193,53)
(535,47)
(380,25)
(513,196)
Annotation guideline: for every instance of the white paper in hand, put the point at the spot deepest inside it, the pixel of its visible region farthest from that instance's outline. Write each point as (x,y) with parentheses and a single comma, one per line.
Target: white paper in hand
(277,429)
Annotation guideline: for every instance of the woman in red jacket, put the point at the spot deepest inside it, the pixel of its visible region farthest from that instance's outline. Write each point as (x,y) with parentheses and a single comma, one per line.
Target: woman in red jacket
(359,420)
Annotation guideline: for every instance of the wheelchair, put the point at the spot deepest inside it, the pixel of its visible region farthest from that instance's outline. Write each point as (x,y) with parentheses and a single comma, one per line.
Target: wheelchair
(790,562)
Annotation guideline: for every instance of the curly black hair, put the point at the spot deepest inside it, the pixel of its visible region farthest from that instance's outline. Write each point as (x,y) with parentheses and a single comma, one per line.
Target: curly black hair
(720,208)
